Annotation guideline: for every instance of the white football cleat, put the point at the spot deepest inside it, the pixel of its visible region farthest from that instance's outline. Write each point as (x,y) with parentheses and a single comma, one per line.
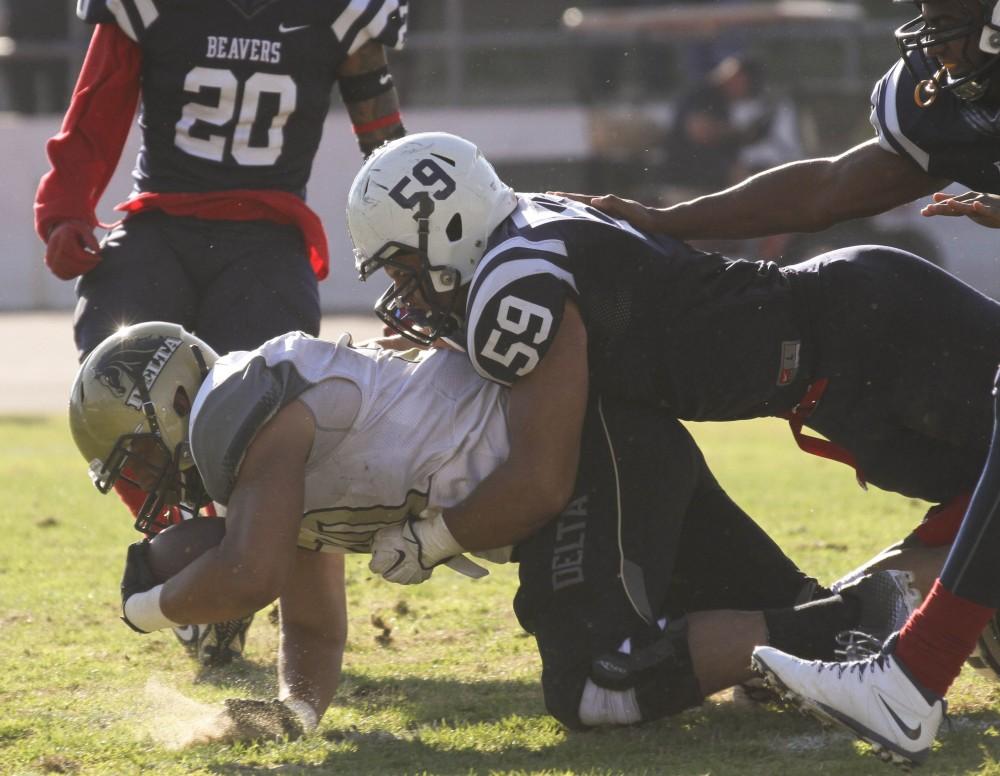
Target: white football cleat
(876,699)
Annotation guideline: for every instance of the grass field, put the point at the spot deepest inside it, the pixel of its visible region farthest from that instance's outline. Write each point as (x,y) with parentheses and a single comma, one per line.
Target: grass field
(438,679)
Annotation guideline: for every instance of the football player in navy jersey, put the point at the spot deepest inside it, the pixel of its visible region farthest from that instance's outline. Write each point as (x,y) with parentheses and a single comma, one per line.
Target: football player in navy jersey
(531,285)
(878,350)
(937,118)
(216,235)
(936,115)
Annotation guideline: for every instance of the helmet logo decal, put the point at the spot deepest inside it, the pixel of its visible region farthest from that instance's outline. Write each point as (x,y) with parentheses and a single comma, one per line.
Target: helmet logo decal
(147,355)
(429,173)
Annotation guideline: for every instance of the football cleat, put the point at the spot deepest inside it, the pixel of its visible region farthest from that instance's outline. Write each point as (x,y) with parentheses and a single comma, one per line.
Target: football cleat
(216,644)
(876,699)
(986,657)
(887,599)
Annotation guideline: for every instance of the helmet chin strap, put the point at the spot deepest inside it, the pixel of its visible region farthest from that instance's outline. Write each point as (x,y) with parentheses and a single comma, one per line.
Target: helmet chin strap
(448,277)
(425,207)
(926,92)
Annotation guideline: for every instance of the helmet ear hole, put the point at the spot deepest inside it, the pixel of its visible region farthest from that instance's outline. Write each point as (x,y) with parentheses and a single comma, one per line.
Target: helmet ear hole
(454,229)
(182,402)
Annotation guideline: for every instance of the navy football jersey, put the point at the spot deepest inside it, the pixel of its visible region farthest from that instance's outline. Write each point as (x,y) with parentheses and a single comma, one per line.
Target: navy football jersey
(709,338)
(235,92)
(952,138)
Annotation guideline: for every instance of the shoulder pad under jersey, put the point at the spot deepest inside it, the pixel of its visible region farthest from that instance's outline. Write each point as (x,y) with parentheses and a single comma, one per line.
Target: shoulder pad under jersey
(361,21)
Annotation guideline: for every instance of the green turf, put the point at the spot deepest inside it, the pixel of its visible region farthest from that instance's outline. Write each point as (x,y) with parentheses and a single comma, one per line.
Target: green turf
(438,679)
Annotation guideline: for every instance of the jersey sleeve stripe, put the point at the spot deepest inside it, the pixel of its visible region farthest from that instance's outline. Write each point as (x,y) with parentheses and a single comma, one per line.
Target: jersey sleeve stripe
(147,12)
(889,120)
(364,20)
(121,15)
(378,26)
(518,246)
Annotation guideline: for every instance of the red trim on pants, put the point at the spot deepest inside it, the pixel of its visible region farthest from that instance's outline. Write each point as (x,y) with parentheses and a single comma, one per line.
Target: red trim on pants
(813,445)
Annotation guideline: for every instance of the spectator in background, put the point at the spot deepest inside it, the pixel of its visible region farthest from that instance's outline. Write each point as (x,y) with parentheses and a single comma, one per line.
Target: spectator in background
(728,126)
(37,84)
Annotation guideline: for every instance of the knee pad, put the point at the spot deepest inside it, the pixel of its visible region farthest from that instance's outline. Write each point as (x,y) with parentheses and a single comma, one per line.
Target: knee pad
(659,672)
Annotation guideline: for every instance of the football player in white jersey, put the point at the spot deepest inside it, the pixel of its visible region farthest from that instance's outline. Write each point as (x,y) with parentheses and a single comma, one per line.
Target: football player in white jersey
(319,448)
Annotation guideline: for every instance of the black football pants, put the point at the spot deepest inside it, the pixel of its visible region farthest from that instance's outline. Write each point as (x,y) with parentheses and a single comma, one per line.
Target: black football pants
(909,351)
(235,284)
(971,570)
(648,533)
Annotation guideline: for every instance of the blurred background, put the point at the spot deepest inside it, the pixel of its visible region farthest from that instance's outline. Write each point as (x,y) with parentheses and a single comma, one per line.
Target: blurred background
(657,101)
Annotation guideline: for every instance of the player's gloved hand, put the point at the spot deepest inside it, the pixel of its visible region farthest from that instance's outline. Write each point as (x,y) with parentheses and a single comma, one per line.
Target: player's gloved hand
(407,553)
(138,576)
(72,250)
(141,593)
(247,719)
(498,555)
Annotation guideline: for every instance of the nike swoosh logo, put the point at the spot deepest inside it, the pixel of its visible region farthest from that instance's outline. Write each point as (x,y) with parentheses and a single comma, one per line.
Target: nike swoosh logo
(400,557)
(912,733)
(384,79)
(285,28)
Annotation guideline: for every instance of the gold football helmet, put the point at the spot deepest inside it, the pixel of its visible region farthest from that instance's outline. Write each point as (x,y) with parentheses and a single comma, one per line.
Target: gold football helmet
(128,412)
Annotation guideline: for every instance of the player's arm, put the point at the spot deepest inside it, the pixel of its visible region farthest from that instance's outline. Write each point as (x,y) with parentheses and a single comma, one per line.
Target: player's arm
(255,560)
(545,419)
(370,96)
(313,630)
(310,651)
(803,196)
(84,153)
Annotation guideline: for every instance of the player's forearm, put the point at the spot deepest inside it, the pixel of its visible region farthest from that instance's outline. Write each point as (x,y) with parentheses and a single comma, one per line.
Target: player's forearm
(313,629)
(784,199)
(368,92)
(215,588)
(309,664)
(509,506)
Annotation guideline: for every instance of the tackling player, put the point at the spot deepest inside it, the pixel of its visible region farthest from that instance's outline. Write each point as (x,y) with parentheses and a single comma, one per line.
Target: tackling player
(322,448)
(878,350)
(216,235)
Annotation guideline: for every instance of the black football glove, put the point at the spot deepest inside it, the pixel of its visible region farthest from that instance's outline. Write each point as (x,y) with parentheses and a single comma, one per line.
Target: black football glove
(138,576)
(255,720)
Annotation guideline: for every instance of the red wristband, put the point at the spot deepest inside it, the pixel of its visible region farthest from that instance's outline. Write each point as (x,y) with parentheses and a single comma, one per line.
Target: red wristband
(379,123)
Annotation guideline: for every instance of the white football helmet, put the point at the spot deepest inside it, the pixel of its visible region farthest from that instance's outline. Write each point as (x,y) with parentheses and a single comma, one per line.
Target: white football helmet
(430,194)
(128,413)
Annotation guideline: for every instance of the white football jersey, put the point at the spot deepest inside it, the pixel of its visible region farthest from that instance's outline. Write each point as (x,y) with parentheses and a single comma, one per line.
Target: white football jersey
(427,430)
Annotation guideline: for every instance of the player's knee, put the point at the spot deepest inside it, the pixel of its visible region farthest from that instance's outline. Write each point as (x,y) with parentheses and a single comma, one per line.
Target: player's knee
(652,681)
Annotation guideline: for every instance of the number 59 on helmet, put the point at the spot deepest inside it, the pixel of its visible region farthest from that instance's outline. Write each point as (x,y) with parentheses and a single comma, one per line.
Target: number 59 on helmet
(434,195)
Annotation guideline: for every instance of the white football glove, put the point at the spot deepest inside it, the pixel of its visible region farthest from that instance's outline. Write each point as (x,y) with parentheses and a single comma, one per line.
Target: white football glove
(408,552)
(499,555)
